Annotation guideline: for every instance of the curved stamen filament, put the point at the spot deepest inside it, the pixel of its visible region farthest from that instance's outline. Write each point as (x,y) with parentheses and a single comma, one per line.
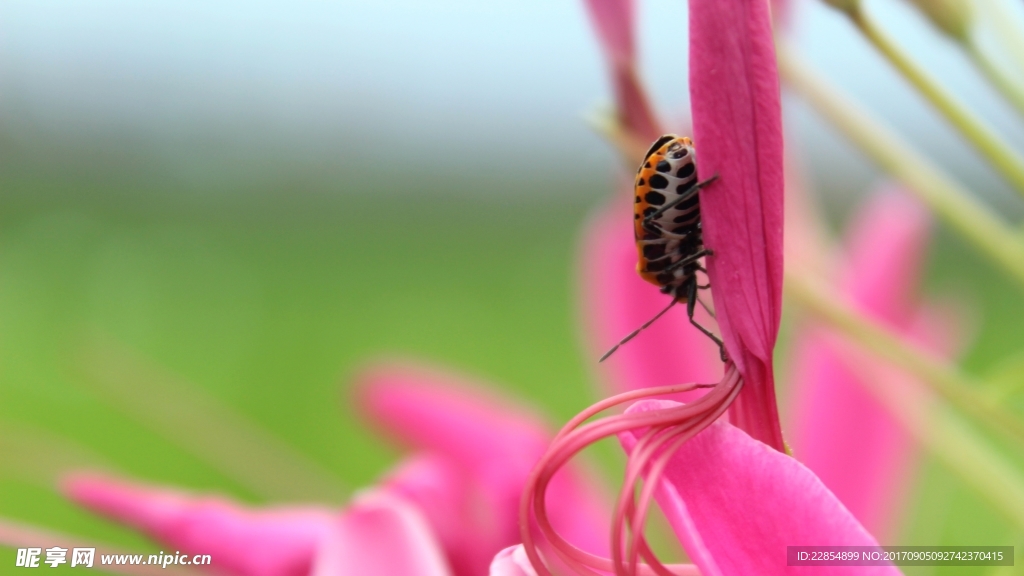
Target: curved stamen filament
(662,433)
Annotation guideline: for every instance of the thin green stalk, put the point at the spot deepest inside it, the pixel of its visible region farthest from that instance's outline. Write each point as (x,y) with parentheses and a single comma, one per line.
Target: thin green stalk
(951,201)
(184,414)
(945,379)
(957,445)
(1012,90)
(938,429)
(991,145)
(1007,27)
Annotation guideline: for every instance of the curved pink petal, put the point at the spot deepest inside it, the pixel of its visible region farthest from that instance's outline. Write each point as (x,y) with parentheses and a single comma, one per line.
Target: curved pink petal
(841,431)
(512,561)
(615,24)
(272,542)
(615,21)
(382,535)
(736,504)
(478,450)
(737,125)
(617,301)
(448,499)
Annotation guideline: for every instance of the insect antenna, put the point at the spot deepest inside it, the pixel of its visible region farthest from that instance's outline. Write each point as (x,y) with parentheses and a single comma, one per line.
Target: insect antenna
(637,331)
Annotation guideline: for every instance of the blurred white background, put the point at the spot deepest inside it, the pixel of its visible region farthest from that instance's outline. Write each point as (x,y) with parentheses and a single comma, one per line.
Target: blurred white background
(203,83)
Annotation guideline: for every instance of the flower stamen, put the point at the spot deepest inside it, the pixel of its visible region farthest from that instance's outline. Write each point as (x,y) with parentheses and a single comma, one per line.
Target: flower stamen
(661,433)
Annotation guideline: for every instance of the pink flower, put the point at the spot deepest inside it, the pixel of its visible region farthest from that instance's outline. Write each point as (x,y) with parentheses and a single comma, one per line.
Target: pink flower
(736,504)
(737,126)
(446,510)
(888,238)
(731,528)
(512,561)
(735,499)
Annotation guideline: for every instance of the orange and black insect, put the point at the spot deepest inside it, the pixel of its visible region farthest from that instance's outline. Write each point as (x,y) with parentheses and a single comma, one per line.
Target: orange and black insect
(667,226)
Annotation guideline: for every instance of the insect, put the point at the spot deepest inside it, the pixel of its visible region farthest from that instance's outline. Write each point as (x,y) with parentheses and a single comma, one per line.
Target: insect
(667,227)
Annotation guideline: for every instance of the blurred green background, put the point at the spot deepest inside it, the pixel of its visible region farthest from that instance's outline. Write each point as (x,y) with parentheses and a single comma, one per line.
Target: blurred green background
(188,309)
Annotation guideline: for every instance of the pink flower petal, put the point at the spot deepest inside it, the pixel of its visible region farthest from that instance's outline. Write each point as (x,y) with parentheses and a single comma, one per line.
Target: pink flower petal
(382,535)
(807,244)
(272,542)
(447,496)
(737,126)
(885,246)
(480,449)
(615,23)
(617,301)
(736,504)
(512,561)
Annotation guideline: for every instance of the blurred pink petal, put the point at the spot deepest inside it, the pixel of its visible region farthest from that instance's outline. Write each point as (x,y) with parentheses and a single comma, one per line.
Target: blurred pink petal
(615,23)
(274,541)
(512,561)
(617,301)
(807,244)
(382,535)
(885,248)
(737,124)
(736,504)
(840,430)
(479,450)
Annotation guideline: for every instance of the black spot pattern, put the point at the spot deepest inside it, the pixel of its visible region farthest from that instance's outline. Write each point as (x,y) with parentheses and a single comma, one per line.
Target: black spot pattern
(659,182)
(663,166)
(637,199)
(685,171)
(661,142)
(689,204)
(640,182)
(648,211)
(658,265)
(655,198)
(653,251)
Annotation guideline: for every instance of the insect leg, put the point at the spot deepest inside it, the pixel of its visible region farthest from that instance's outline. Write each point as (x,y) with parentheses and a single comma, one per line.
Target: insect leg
(682,198)
(654,228)
(705,304)
(691,303)
(690,259)
(638,330)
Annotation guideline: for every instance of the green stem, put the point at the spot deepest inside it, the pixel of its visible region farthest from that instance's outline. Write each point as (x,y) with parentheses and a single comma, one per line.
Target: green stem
(951,201)
(963,450)
(1007,27)
(1012,90)
(940,430)
(945,379)
(998,151)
